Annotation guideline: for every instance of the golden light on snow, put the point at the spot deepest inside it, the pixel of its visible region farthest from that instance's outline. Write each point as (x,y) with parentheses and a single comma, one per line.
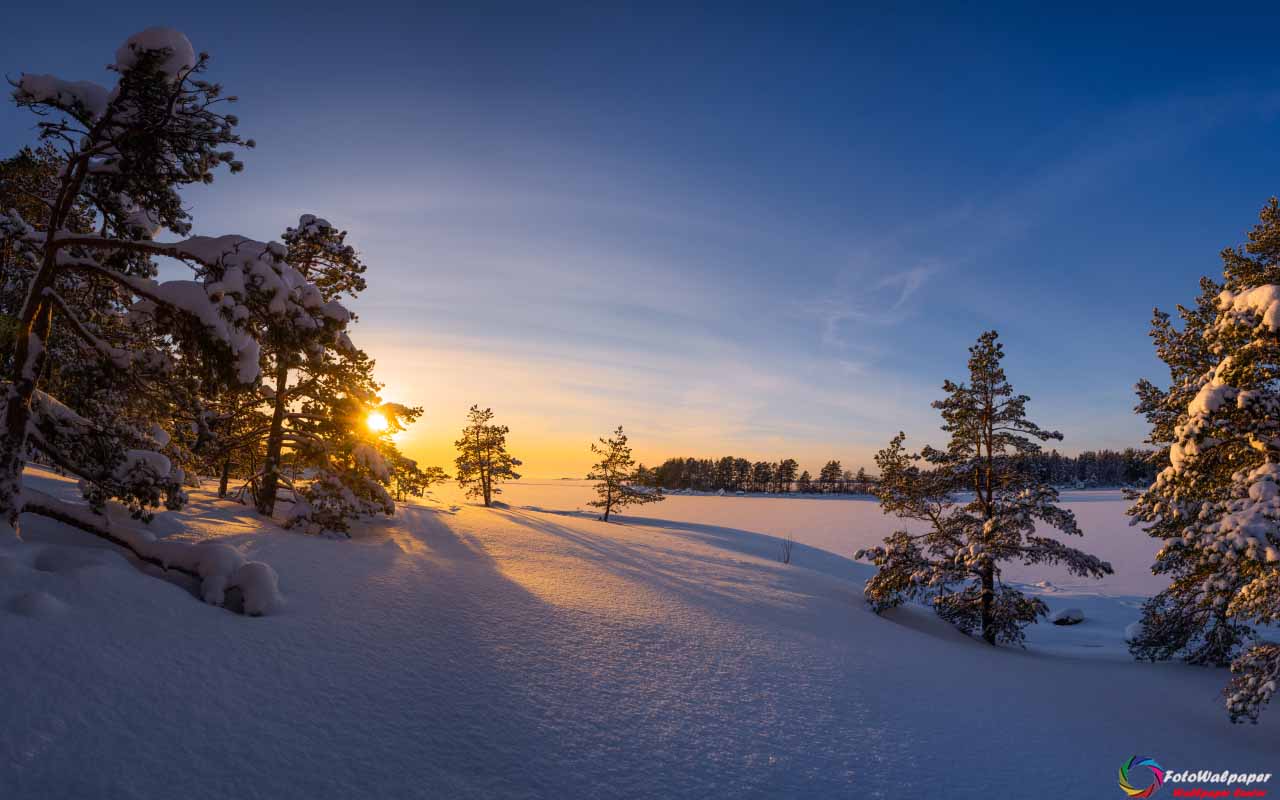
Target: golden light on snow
(377,422)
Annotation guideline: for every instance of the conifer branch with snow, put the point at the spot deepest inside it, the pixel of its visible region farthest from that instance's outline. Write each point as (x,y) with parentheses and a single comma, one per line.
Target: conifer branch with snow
(1216,504)
(82,253)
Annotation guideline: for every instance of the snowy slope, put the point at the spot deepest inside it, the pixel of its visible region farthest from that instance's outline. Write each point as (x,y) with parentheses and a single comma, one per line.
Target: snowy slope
(458,651)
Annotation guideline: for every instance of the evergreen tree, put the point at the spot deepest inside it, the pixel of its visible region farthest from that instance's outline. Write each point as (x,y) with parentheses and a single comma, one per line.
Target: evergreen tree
(829,476)
(956,562)
(410,480)
(123,155)
(305,345)
(617,479)
(1216,505)
(348,464)
(761,476)
(863,480)
(483,461)
(785,475)
(804,484)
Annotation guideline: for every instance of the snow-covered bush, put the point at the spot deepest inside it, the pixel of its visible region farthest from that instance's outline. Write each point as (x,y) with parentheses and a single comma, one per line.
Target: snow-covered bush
(1216,505)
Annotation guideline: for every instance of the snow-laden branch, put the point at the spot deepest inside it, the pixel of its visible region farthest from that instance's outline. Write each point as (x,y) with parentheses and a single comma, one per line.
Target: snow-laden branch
(219,567)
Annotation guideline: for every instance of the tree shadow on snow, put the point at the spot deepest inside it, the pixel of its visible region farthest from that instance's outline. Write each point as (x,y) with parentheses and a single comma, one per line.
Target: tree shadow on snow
(721,583)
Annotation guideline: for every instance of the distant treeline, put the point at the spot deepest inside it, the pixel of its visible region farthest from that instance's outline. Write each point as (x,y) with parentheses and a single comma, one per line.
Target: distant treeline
(1095,468)
(1092,468)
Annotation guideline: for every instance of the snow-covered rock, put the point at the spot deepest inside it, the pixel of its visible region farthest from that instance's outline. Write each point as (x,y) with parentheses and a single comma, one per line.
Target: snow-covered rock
(1068,616)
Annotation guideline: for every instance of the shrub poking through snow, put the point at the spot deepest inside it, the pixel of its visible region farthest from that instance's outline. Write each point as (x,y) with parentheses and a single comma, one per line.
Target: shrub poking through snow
(1216,504)
(618,483)
(80,255)
(955,563)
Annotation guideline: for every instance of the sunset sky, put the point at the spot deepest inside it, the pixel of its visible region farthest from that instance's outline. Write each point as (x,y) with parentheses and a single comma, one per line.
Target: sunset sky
(769,237)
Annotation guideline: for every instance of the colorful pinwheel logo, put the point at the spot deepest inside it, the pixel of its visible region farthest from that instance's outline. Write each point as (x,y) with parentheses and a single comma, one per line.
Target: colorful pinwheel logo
(1157,775)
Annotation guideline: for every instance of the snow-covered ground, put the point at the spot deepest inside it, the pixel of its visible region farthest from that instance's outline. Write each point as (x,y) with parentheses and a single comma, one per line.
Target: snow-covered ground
(533,651)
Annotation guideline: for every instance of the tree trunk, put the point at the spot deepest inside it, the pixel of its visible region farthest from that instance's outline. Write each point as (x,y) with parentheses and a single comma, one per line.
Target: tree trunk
(28,359)
(988,604)
(225,479)
(266,500)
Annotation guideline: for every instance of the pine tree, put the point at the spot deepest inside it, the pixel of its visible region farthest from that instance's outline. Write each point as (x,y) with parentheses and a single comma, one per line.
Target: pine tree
(124,153)
(410,480)
(618,482)
(956,562)
(1216,505)
(829,476)
(786,474)
(863,480)
(347,466)
(297,345)
(483,461)
(804,484)
(761,476)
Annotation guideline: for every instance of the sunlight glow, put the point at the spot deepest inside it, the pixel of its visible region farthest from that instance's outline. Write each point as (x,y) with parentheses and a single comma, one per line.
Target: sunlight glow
(377,422)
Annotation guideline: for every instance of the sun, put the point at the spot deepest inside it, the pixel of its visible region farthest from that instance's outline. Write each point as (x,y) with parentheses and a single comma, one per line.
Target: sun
(377,422)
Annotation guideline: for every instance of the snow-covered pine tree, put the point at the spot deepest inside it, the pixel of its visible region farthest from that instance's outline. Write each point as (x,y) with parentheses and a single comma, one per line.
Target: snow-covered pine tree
(320,253)
(955,562)
(341,467)
(124,153)
(618,483)
(483,461)
(1216,505)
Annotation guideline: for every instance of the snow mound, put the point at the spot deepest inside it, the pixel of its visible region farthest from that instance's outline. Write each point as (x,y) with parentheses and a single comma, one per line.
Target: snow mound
(221,568)
(182,55)
(37,604)
(1068,616)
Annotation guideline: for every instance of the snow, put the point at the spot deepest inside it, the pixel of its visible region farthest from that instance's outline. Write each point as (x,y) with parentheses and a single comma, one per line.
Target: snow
(37,604)
(182,55)
(533,651)
(92,97)
(1259,300)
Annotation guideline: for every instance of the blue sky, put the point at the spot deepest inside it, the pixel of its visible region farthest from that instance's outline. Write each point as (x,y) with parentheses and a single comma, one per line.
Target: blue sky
(763,232)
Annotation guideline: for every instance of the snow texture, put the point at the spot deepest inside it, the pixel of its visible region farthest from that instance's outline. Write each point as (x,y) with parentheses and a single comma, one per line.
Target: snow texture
(532,651)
